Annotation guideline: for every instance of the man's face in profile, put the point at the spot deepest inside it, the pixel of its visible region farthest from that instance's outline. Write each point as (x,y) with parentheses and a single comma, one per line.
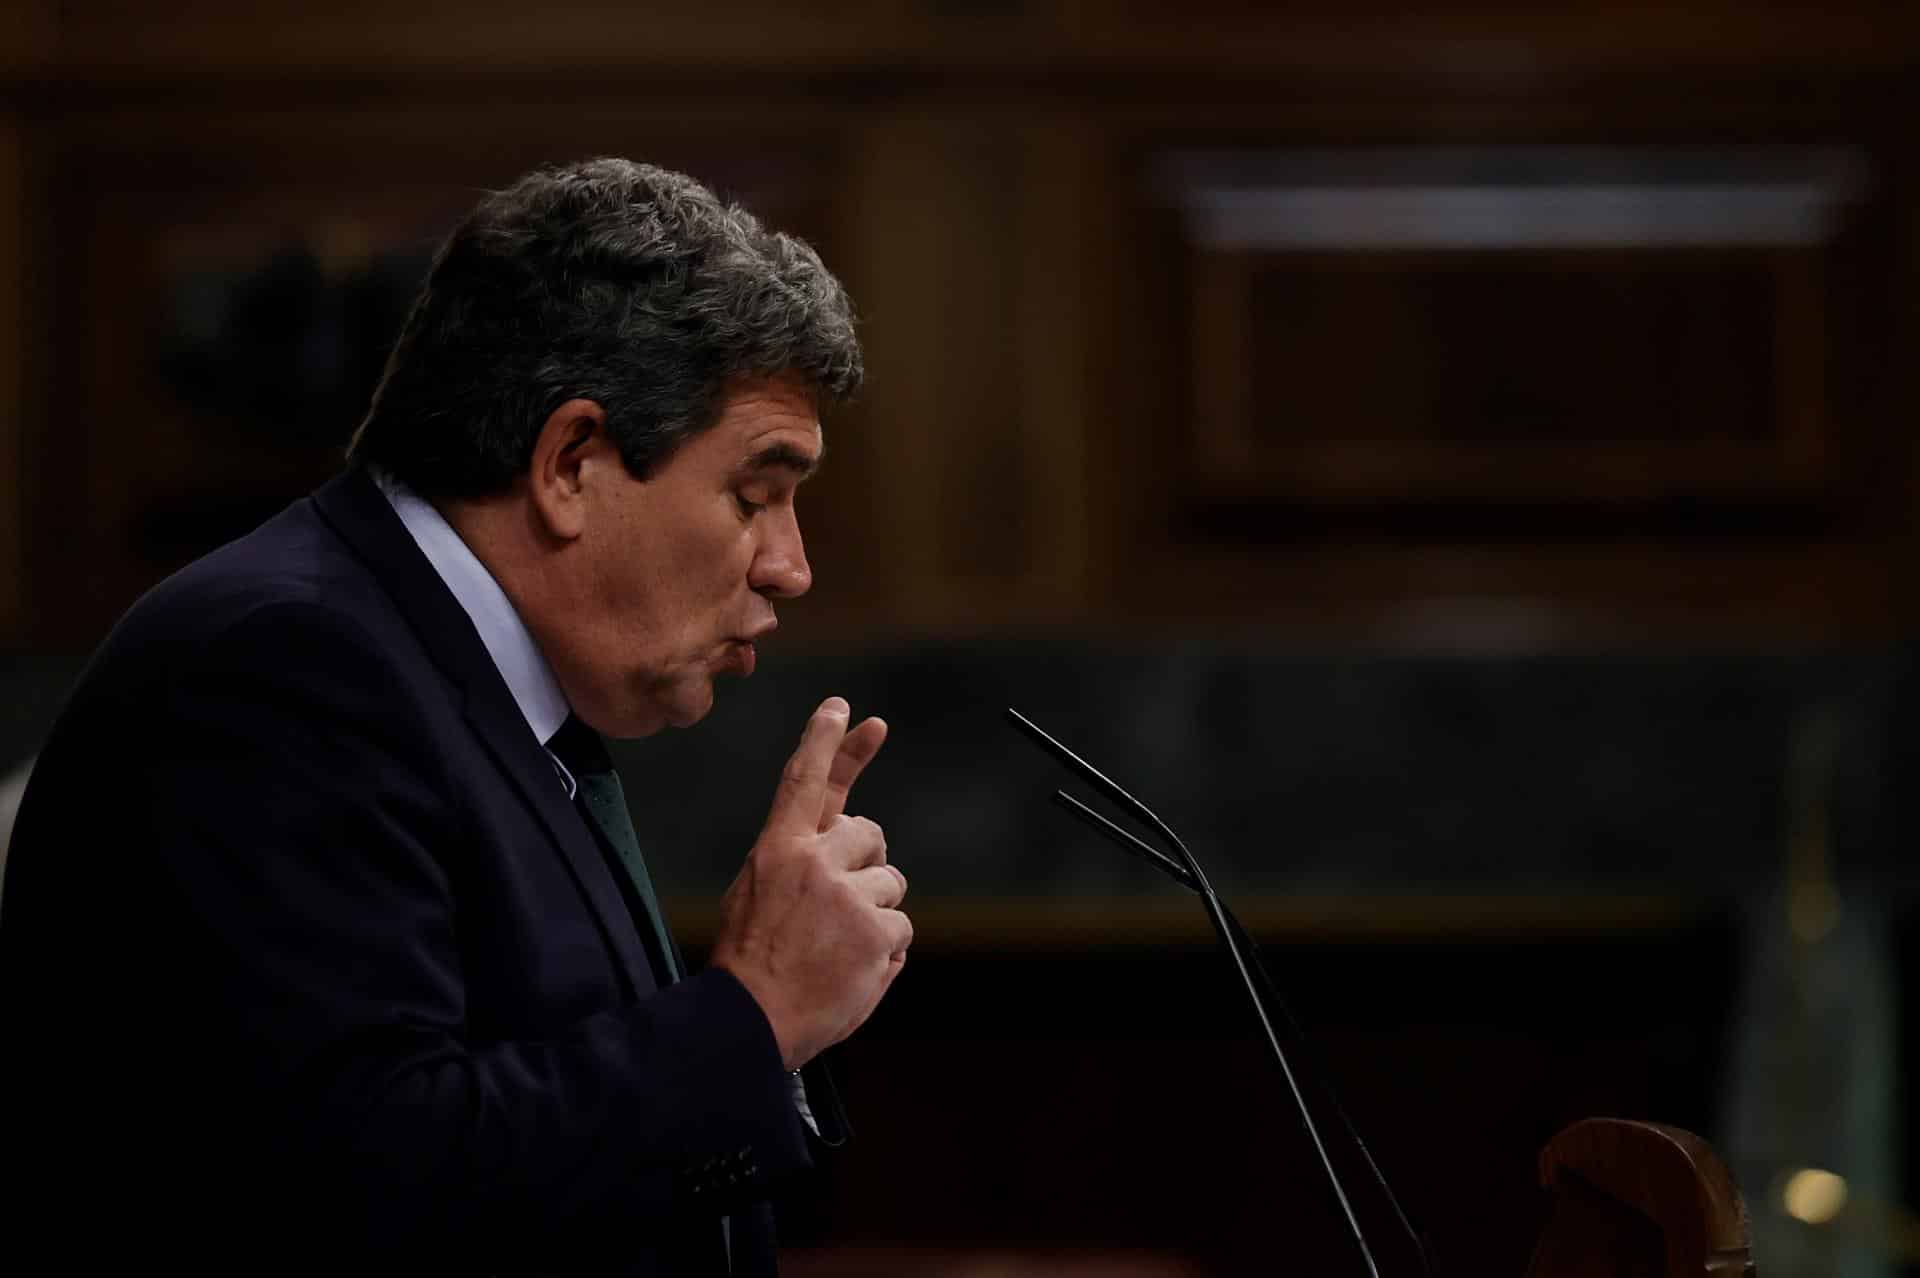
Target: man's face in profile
(681,569)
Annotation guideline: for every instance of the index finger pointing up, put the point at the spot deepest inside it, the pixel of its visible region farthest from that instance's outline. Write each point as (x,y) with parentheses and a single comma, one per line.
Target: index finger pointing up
(849,761)
(801,796)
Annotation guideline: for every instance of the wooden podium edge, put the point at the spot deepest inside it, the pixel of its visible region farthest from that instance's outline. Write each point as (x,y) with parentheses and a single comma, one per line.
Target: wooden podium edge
(1666,1174)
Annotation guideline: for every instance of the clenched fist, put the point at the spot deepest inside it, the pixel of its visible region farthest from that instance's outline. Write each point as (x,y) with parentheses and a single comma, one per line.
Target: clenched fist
(812,924)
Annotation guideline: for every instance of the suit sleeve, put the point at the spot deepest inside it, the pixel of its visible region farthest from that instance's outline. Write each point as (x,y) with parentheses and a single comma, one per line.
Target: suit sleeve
(325,881)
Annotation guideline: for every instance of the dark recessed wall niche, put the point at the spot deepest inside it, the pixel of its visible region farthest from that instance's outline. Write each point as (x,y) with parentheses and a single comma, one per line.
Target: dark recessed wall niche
(1634,337)
(288,346)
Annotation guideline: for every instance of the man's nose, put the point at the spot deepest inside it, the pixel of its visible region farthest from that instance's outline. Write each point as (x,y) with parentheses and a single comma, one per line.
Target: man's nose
(781,569)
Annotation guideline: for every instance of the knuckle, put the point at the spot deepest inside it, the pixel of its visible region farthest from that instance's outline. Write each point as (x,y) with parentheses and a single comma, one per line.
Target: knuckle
(813,861)
(771,852)
(788,862)
(848,893)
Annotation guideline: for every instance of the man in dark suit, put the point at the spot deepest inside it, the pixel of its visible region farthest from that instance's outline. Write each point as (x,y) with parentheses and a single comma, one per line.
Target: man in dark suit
(326,938)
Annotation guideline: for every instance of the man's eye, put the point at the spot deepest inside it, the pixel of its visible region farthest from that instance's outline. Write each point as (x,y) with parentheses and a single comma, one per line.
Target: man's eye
(748,508)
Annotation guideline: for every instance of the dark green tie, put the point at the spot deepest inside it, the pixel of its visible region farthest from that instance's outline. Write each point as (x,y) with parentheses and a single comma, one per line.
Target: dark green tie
(584,753)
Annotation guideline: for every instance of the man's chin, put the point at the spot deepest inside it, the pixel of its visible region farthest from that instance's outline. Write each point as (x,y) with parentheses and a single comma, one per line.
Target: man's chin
(657,713)
(669,703)
(686,710)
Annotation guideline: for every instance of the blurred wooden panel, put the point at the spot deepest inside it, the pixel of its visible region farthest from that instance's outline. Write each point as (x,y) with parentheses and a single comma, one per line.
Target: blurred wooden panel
(120,39)
(967,254)
(13,376)
(1517,348)
(1495,38)
(1043,925)
(1534,379)
(1411,593)
(224,310)
(117,38)
(1667,412)
(27,37)
(1536,327)
(1065,249)
(1076,415)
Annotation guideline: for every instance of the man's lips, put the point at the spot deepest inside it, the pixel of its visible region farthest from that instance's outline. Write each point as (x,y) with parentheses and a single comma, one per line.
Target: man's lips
(742,651)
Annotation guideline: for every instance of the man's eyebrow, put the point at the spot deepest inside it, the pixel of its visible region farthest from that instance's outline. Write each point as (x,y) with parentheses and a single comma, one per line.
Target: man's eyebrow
(785,457)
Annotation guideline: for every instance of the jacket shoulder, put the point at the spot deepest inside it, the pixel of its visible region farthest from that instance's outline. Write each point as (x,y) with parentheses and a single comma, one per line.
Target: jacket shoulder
(290,601)
(293,561)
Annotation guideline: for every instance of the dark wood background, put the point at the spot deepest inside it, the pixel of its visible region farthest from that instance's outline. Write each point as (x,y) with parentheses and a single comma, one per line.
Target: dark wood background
(1623,444)
(1086,418)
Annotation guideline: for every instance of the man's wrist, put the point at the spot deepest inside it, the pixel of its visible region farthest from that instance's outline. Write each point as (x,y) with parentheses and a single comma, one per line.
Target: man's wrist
(764,1000)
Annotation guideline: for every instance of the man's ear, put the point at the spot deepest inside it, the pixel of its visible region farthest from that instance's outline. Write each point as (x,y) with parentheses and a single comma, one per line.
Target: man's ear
(571,442)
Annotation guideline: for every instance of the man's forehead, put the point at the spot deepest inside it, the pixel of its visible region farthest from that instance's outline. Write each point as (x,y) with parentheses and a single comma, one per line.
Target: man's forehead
(772,424)
(787,450)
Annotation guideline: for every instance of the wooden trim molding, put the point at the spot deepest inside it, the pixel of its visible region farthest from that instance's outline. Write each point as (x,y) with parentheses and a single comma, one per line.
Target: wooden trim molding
(13,359)
(1120,922)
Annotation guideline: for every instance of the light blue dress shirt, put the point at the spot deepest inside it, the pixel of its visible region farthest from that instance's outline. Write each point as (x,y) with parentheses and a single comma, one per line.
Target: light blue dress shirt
(508,641)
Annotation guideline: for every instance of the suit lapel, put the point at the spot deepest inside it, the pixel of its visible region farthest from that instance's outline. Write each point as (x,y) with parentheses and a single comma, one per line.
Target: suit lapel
(526,762)
(355,508)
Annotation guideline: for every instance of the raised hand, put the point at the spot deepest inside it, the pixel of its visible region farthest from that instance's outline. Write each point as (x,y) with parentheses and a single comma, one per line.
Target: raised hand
(812,925)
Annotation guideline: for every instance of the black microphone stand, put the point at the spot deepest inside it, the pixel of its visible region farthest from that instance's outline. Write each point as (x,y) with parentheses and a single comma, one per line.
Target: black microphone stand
(1185,870)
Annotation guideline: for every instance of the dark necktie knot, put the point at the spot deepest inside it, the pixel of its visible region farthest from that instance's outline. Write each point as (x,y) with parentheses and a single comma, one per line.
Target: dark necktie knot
(580,748)
(603,802)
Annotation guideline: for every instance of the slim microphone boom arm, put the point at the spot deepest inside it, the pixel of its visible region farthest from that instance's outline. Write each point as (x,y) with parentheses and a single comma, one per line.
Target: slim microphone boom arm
(1185,870)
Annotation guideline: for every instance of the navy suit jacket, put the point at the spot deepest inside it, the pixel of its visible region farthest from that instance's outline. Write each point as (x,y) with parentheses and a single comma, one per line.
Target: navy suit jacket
(307,957)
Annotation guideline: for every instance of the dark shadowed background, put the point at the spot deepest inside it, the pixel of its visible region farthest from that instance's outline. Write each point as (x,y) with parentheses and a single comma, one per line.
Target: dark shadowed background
(1456,461)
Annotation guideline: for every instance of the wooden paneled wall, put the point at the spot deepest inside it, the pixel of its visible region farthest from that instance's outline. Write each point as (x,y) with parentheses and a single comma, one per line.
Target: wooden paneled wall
(13,372)
(1049,342)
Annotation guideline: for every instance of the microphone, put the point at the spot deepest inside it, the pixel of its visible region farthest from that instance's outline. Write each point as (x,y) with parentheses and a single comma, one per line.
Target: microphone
(1183,869)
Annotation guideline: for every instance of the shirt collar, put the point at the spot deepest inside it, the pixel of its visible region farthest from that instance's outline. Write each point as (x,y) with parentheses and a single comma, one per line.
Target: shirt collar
(519,659)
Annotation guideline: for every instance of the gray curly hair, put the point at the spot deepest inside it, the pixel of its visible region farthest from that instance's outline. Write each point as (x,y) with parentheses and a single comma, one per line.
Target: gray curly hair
(629,285)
